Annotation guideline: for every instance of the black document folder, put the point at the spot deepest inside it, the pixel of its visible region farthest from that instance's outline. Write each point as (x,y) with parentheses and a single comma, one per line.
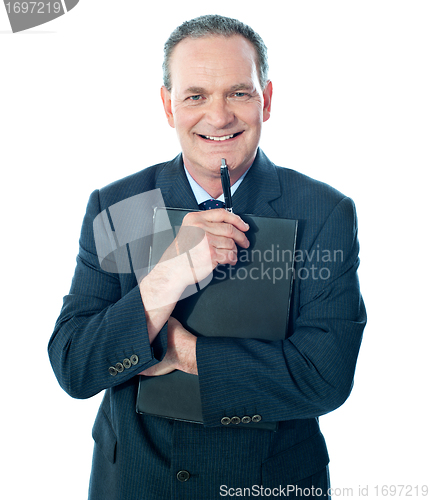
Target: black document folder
(248,300)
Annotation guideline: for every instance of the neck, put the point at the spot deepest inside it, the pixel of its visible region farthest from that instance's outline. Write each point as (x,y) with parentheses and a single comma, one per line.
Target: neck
(210,180)
(212,186)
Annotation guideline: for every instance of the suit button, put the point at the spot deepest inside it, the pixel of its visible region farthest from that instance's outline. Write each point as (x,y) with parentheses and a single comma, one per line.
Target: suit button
(126,363)
(183,475)
(119,367)
(225,420)
(113,371)
(134,359)
(246,419)
(256,418)
(235,420)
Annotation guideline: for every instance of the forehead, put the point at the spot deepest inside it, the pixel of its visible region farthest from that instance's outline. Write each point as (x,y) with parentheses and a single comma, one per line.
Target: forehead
(212,60)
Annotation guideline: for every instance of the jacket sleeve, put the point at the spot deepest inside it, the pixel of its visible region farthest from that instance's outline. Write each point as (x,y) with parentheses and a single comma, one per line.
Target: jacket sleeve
(100,339)
(311,372)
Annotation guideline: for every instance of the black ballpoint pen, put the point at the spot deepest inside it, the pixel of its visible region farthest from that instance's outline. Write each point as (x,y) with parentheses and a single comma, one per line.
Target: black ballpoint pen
(225,181)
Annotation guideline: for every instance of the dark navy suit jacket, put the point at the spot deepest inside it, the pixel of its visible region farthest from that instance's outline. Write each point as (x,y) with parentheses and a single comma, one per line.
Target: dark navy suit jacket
(293,382)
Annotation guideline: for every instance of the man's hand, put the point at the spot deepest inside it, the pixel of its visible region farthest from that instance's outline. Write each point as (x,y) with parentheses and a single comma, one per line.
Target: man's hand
(206,239)
(215,243)
(180,354)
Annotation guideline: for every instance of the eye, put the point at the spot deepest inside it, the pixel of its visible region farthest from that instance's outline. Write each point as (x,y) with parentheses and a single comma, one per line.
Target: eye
(195,97)
(241,95)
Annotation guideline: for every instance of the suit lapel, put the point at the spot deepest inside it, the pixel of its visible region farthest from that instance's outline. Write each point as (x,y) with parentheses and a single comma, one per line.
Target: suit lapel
(259,187)
(174,185)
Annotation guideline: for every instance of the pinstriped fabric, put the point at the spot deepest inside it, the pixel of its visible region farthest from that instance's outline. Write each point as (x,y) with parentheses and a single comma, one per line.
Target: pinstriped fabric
(311,373)
(102,322)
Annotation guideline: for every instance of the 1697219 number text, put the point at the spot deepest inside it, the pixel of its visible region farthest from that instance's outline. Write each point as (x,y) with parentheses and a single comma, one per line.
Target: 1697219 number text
(33,7)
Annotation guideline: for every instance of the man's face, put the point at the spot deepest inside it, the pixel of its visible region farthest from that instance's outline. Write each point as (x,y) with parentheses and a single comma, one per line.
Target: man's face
(216,104)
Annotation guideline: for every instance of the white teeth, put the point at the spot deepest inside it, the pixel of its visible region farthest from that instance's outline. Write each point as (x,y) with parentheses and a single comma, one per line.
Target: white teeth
(224,138)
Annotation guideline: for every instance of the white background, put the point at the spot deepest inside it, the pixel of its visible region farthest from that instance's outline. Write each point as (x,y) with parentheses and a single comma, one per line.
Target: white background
(80,107)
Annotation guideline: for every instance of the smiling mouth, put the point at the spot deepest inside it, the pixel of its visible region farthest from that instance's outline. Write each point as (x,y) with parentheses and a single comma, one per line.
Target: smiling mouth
(221,138)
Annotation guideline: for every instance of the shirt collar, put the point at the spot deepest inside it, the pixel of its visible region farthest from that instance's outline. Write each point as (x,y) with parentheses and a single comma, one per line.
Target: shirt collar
(202,195)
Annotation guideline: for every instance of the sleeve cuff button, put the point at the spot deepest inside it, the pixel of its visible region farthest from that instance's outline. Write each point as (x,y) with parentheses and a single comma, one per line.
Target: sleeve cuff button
(134,359)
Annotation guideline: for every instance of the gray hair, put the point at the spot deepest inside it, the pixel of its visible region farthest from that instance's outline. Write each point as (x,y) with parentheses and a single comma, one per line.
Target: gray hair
(210,25)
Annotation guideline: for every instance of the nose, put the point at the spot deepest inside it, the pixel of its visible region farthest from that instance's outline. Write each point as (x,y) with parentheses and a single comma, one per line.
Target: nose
(219,114)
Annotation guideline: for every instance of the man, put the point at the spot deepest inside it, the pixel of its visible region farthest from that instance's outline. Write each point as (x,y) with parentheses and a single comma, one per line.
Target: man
(217,95)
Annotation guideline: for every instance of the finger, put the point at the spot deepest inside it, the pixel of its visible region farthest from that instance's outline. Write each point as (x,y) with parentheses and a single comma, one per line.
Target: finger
(218,250)
(172,324)
(213,249)
(218,222)
(222,251)
(157,370)
(229,231)
(216,215)
(225,257)
(221,242)
(222,230)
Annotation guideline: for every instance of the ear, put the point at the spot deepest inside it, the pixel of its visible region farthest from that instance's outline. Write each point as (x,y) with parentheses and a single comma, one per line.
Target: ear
(267,106)
(166,97)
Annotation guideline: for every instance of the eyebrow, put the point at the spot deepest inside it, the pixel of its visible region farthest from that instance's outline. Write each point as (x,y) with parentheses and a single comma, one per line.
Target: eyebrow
(195,90)
(241,86)
(234,88)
